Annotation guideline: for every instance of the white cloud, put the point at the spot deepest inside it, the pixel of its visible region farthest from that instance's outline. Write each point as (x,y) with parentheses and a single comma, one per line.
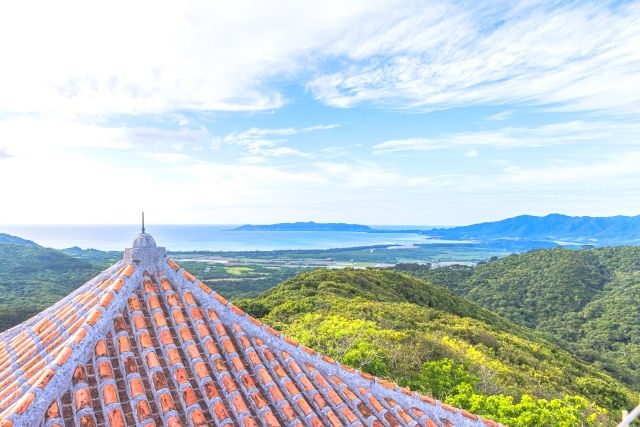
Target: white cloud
(77,58)
(511,137)
(152,56)
(574,56)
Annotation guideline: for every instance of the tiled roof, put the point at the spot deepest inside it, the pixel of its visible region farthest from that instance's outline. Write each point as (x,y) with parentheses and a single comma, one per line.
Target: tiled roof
(147,344)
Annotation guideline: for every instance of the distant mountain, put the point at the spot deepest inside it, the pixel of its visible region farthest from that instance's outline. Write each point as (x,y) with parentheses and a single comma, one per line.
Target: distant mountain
(554,226)
(7,239)
(307,226)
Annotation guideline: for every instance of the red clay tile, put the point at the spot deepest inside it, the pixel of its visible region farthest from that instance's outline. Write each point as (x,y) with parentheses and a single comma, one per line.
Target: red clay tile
(189,396)
(172,264)
(136,387)
(270,419)
(449,408)
(24,403)
(64,356)
(159,319)
(101,349)
(109,394)
(196,313)
(166,402)
(53,411)
(197,418)
(82,398)
(44,378)
(128,271)
(123,344)
(288,412)
(220,411)
(188,276)
(143,409)
(211,390)
(220,299)
(333,419)
(188,297)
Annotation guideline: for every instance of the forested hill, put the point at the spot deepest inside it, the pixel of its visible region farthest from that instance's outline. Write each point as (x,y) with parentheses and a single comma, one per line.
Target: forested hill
(554,226)
(33,278)
(420,335)
(8,239)
(588,298)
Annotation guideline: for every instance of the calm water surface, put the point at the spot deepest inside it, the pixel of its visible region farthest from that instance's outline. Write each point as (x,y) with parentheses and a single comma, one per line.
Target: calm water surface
(203,237)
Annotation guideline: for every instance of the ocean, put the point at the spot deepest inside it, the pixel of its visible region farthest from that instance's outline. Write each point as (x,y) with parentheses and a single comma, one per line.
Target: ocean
(206,237)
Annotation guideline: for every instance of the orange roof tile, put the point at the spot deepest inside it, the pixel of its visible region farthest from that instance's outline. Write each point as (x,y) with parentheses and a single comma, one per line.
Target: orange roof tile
(145,343)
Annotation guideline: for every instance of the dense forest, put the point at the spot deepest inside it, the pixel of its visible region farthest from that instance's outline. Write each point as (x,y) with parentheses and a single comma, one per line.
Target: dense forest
(586,300)
(422,336)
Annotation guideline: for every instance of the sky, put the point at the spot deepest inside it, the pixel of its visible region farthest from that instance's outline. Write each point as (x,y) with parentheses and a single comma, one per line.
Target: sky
(374,112)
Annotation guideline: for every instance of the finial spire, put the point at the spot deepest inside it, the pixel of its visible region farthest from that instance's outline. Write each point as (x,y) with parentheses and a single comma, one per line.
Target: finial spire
(142,222)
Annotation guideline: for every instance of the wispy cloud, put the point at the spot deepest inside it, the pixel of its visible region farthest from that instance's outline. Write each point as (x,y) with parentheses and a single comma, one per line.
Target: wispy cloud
(572,56)
(263,143)
(502,115)
(512,137)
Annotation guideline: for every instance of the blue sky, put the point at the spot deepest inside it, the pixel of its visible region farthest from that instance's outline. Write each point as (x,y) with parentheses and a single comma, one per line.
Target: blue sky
(378,112)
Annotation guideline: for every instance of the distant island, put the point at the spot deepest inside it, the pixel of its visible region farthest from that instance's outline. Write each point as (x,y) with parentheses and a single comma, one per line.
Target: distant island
(308,226)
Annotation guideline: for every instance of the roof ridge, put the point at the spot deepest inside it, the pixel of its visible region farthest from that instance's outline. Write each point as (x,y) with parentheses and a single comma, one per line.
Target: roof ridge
(102,276)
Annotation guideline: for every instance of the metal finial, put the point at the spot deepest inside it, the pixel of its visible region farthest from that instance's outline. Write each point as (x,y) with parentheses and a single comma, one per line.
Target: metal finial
(142,222)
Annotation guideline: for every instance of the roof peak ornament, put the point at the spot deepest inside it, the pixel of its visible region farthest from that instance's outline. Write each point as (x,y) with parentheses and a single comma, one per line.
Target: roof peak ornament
(144,249)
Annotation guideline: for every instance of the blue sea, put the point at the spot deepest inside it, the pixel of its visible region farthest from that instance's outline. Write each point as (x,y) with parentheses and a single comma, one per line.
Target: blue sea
(206,237)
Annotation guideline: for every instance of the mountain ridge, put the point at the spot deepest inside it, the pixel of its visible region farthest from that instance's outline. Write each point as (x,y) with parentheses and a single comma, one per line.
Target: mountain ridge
(552,226)
(8,239)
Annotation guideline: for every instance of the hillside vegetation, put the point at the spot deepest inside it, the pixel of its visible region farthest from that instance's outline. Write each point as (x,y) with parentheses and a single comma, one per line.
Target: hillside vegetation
(8,239)
(32,278)
(420,335)
(589,300)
